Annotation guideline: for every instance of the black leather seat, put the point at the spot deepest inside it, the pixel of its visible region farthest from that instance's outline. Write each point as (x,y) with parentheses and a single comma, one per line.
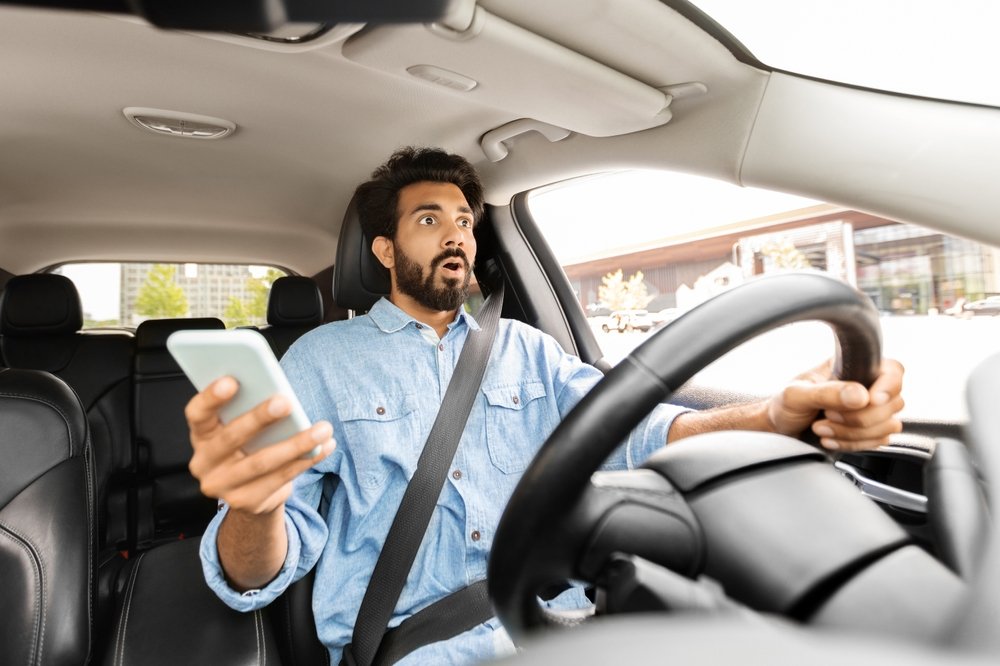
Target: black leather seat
(169,503)
(359,281)
(167,615)
(46,522)
(294,307)
(40,321)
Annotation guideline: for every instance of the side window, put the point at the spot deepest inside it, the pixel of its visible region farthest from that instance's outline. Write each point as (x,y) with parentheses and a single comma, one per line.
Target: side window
(642,248)
(121,295)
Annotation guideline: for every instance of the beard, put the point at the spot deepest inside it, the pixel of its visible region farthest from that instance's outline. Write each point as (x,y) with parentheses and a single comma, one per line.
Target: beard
(411,281)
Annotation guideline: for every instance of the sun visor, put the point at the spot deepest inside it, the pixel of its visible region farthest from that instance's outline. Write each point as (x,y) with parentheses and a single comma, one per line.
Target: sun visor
(498,64)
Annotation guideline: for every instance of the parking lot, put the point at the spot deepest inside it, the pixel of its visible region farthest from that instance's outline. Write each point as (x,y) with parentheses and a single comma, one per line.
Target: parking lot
(938,352)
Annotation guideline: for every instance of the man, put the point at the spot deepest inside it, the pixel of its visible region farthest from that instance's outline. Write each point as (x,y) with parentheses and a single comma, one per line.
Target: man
(375,383)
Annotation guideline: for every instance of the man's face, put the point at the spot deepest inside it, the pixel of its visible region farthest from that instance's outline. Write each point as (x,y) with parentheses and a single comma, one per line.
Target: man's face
(434,249)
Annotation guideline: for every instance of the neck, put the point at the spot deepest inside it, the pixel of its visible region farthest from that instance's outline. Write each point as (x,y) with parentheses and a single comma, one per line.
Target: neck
(436,319)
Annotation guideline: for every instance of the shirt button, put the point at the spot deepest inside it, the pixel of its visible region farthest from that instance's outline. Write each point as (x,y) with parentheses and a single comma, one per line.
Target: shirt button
(419,326)
(380,411)
(441,347)
(457,474)
(515,399)
(476,535)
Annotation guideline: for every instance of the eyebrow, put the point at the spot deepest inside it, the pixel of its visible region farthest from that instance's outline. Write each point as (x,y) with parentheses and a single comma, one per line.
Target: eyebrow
(419,208)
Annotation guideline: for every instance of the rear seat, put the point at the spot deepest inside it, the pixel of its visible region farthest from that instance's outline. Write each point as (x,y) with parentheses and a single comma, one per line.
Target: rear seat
(169,503)
(294,307)
(40,321)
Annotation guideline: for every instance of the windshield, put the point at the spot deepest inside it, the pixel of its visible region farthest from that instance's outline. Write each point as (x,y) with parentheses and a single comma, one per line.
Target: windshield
(916,47)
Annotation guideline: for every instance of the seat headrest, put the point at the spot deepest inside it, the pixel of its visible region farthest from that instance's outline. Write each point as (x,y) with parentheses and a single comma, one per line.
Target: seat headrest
(153,333)
(40,304)
(359,280)
(294,300)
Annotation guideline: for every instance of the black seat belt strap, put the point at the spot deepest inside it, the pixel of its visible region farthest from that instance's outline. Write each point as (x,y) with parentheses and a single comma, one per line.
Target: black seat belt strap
(447,617)
(417,506)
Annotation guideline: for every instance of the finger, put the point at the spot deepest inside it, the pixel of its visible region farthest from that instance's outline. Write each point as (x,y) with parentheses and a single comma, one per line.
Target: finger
(869,416)
(276,456)
(268,468)
(258,495)
(202,411)
(802,396)
(853,445)
(234,435)
(880,431)
(888,384)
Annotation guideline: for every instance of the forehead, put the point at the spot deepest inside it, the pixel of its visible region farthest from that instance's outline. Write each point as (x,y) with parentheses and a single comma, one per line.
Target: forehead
(446,196)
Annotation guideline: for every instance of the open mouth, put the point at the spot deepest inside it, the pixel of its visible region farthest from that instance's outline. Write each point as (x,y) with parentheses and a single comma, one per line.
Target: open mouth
(456,267)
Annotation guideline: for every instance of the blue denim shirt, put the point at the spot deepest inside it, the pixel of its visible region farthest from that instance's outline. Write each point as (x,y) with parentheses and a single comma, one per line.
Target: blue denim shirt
(379,379)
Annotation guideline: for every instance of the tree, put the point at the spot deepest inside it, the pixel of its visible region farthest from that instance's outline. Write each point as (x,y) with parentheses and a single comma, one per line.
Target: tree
(236,313)
(784,254)
(253,311)
(619,293)
(160,295)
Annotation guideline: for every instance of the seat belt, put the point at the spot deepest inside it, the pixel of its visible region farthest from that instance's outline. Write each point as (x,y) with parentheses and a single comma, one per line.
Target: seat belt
(414,514)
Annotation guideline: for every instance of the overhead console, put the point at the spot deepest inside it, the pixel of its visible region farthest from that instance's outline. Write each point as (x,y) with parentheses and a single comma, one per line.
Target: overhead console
(490,60)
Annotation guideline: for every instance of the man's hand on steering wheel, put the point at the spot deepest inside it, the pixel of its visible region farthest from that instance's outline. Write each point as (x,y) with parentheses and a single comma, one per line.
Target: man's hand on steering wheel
(854,418)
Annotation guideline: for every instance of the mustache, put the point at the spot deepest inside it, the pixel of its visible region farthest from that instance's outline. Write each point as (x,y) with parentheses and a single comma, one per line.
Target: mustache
(451,253)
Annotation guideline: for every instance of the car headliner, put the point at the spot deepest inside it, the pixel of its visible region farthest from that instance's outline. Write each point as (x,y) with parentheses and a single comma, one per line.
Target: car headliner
(79,182)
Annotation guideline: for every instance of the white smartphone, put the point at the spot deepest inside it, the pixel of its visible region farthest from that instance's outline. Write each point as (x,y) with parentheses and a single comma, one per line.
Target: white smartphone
(243,354)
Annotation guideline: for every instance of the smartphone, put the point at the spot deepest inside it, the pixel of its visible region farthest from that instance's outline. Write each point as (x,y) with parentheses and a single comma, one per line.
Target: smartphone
(243,354)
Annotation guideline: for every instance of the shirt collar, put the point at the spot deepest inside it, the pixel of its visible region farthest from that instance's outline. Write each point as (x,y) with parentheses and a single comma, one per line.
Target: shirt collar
(390,318)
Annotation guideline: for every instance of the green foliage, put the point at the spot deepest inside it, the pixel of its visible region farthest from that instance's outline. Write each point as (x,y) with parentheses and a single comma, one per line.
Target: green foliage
(237,313)
(253,311)
(160,295)
(618,293)
(783,254)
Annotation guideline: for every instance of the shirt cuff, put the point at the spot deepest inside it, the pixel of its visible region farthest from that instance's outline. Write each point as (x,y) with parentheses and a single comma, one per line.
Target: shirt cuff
(251,599)
(651,434)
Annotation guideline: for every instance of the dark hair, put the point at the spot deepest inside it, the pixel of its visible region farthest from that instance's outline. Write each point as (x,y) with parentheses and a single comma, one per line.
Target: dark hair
(377,200)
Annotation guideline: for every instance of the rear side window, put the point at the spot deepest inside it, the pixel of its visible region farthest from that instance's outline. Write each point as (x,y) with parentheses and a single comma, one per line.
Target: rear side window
(122,295)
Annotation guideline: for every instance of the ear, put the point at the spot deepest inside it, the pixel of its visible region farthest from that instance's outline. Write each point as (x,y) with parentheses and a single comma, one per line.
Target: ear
(384,251)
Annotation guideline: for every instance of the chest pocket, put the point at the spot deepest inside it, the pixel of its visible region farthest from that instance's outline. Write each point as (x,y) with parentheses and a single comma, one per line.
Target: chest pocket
(380,434)
(518,420)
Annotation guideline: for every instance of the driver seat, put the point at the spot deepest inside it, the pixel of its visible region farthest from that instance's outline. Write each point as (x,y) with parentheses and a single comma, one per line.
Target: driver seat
(47,521)
(359,280)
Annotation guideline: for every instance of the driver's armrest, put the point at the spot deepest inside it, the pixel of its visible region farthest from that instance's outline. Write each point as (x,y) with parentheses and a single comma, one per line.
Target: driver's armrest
(166,614)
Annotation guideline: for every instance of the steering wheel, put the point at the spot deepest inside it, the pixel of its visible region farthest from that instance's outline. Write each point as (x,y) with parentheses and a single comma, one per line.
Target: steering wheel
(533,546)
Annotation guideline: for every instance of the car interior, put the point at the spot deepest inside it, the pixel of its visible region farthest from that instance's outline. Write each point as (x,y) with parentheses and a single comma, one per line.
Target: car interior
(237,131)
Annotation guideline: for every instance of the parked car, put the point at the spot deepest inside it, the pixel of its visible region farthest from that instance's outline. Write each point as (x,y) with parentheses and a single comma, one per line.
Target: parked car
(986,306)
(628,320)
(206,134)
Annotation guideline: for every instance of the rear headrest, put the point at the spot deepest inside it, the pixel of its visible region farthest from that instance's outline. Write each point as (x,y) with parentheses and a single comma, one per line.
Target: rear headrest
(359,280)
(294,300)
(40,304)
(153,333)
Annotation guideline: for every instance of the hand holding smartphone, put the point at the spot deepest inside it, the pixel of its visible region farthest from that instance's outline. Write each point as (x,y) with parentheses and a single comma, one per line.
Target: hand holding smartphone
(205,356)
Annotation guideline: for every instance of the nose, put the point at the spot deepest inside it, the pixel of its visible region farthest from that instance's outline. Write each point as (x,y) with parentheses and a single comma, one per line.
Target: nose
(455,235)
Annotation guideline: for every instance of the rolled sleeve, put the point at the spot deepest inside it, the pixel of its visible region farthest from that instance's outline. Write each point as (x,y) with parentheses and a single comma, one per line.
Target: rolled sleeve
(306,533)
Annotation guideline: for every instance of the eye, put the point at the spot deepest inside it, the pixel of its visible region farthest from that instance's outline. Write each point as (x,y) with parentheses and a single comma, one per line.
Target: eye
(427,220)
(465,224)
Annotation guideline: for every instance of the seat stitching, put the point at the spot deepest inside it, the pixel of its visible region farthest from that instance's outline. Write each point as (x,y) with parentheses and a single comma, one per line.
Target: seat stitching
(121,617)
(258,626)
(120,656)
(39,629)
(88,454)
